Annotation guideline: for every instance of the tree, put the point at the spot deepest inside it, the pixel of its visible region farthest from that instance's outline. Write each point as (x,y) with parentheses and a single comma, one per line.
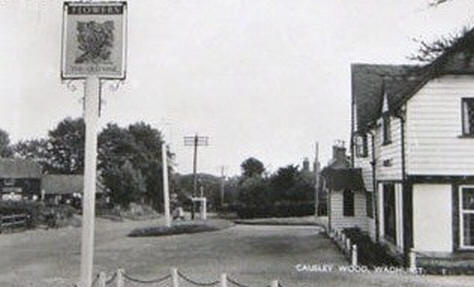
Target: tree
(6,149)
(126,182)
(66,147)
(428,51)
(252,167)
(140,145)
(34,149)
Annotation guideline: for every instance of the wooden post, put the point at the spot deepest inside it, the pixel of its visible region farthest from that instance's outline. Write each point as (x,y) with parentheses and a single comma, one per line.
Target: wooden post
(274,283)
(316,182)
(203,208)
(354,255)
(223,280)
(412,259)
(174,277)
(166,194)
(91,117)
(102,279)
(120,279)
(348,246)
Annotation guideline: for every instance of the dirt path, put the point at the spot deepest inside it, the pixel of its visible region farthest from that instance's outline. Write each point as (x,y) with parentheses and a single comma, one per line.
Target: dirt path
(252,254)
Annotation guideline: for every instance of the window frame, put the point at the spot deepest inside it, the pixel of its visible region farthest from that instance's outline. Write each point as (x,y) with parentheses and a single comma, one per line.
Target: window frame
(465,102)
(462,212)
(361,147)
(386,129)
(348,212)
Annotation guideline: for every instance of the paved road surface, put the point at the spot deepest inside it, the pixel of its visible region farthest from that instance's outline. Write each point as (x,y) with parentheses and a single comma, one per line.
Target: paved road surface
(253,255)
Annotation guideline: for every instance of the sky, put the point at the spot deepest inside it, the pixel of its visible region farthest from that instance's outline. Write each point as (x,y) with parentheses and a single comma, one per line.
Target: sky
(261,78)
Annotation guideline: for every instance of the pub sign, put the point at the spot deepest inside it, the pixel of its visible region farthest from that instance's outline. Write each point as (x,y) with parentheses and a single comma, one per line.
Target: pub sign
(94,40)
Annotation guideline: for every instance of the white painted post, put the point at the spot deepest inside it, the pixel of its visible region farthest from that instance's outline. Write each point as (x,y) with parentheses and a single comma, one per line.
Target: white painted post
(354,255)
(343,240)
(204,208)
(412,259)
(166,194)
(174,277)
(91,117)
(102,279)
(223,280)
(274,283)
(120,279)
(348,246)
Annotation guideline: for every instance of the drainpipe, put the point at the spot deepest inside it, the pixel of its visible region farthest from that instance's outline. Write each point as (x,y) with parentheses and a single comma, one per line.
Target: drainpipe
(373,163)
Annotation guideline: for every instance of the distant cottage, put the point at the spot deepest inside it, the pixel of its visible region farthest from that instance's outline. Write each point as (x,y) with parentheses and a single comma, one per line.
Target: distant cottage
(65,188)
(19,179)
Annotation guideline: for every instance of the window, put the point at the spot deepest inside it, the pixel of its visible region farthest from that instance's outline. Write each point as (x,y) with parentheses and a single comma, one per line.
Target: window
(9,181)
(386,132)
(361,145)
(466,215)
(369,204)
(348,203)
(468,116)
(389,211)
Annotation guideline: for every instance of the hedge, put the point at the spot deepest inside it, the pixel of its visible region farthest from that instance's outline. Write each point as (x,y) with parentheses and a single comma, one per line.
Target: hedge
(283,209)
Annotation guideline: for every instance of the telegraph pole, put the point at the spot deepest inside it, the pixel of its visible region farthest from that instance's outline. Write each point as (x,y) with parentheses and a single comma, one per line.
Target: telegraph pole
(222,185)
(195,141)
(316,181)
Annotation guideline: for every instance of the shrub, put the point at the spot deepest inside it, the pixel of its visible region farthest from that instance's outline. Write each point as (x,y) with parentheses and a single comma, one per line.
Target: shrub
(279,209)
(370,254)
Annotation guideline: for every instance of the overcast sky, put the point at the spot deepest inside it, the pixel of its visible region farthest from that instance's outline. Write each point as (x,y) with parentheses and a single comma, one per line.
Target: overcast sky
(262,78)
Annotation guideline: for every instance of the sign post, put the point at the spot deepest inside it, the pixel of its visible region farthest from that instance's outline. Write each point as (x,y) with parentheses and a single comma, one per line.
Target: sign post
(91,117)
(166,194)
(93,49)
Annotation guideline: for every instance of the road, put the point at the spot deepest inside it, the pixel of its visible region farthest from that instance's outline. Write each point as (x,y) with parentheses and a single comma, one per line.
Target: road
(253,255)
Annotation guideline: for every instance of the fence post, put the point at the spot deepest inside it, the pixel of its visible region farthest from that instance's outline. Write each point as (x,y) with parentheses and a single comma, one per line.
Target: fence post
(412,259)
(354,255)
(120,281)
(348,246)
(174,277)
(274,283)
(223,280)
(102,279)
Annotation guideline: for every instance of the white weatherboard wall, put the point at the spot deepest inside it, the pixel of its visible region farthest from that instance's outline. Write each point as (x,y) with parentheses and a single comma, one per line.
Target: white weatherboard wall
(391,152)
(339,221)
(432,217)
(433,127)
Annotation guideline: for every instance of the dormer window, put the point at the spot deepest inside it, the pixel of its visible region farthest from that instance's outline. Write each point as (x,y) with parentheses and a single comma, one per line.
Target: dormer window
(386,130)
(361,145)
(468,116)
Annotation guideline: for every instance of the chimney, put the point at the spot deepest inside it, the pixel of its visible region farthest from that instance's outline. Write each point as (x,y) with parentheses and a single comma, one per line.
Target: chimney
(306,164)
(339,151)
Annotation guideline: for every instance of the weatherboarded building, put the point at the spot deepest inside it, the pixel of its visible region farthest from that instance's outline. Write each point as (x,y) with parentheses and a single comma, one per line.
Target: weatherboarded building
(19,179)
(413,139)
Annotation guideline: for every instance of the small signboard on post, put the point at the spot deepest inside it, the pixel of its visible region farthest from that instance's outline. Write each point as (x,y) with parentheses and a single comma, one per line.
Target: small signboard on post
(94,40)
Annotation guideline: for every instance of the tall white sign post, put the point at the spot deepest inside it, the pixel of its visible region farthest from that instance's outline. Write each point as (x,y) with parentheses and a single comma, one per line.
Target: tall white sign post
(93,49)
(166,193)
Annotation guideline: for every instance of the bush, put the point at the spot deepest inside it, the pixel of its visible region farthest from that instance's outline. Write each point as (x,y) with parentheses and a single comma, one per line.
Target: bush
(181,228)
(38,213)
(370,254)
(279,209)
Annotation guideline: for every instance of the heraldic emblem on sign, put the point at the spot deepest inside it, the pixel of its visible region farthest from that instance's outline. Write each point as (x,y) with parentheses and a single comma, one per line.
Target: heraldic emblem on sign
(95,42)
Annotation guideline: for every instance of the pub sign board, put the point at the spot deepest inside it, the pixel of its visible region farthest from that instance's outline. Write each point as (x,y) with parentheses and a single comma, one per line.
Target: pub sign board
(94,40)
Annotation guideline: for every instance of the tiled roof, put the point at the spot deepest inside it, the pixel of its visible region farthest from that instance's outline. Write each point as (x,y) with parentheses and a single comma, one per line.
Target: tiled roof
(344,178)
(369,82)
(19,168)
(65,184)
(401,82)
